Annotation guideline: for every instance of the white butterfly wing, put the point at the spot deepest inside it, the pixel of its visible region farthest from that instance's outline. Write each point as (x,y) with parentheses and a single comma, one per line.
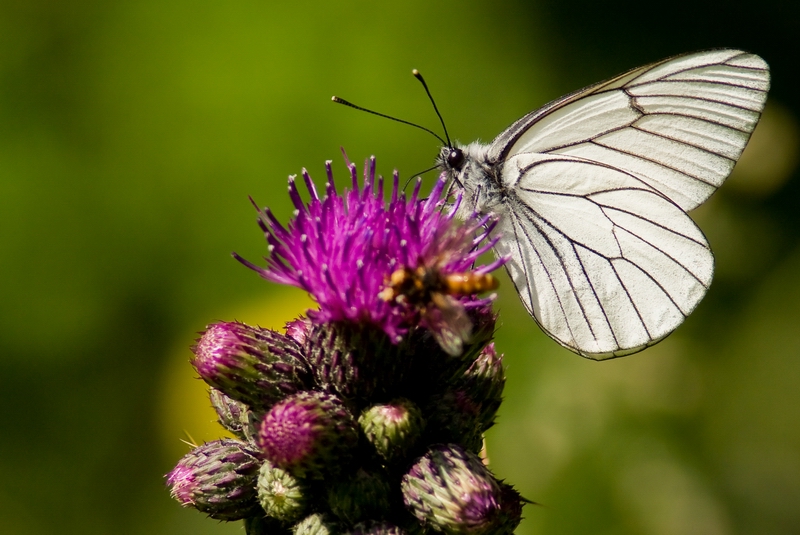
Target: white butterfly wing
(679,124)
(600,248)
(607,269)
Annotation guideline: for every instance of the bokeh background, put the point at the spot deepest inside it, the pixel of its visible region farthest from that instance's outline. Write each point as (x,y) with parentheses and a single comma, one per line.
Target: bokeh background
(132,133)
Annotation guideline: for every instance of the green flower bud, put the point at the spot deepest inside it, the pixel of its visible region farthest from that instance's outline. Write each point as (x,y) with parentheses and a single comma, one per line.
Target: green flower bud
(316,524)
(310,434)
(217,478)
(255,366)
(392,428)
(452,491)
(280,494)
(364,495)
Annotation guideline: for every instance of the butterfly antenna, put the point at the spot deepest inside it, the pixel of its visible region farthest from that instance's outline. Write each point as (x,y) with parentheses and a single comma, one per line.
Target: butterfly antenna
(338,100)
(412,177)
(419,77)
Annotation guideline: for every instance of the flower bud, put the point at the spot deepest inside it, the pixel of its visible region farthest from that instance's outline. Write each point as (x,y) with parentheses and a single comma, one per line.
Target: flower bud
(255,366)
(217,478)
(467,408)
(483,383)
(511,503)
(230,413)
(392,428)
(280,494)
(452,491)
(364,495)
(356,361)
(316,524)
(453,418)
(310,434)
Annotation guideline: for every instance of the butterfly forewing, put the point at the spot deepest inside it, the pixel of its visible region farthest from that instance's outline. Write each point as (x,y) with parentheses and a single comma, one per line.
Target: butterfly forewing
(593,188)
(697,108)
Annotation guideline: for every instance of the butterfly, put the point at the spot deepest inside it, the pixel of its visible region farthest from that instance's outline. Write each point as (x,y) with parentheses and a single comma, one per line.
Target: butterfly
(592,190)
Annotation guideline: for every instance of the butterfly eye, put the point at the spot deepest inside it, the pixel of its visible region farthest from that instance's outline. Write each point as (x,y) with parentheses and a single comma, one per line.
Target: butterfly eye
(455,159)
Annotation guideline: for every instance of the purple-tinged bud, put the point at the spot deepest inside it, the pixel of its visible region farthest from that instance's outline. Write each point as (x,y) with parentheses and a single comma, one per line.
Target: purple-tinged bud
(281,495)
(356,361)
(316,524)
(310,434)
(361,496)
(217,478)
(450,490)
(392,428)
(511,503)
(255,366)
(467,408)
(230,413)
(483,383)
(374,527)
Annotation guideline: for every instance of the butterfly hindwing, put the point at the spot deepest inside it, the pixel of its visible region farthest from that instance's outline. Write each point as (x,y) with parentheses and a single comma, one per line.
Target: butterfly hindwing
(603,262)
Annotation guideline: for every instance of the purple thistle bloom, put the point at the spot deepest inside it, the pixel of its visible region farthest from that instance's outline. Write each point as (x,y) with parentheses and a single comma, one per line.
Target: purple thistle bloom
(343,249)
(395,361)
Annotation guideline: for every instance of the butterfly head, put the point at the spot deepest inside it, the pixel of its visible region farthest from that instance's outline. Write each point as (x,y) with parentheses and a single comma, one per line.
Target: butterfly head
(451,159)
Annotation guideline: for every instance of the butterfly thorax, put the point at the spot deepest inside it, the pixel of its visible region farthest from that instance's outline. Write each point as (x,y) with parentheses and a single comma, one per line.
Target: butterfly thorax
(479,178)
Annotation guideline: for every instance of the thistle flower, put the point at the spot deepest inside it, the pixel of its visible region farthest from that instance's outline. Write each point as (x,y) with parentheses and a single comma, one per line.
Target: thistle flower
(343,249)
(231,414)
(400,338)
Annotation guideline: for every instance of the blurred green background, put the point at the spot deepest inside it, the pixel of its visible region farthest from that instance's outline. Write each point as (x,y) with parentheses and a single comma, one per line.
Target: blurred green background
(131,134)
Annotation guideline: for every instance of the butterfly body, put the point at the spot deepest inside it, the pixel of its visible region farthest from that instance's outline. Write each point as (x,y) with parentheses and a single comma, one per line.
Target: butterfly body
(592,190)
